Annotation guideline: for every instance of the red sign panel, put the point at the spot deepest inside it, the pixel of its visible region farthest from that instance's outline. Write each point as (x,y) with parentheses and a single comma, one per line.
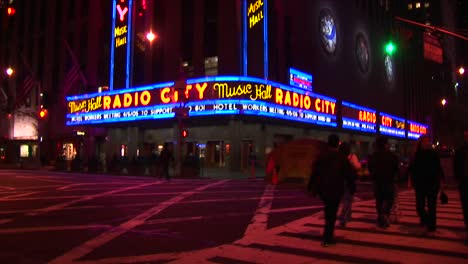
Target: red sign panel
(432,49)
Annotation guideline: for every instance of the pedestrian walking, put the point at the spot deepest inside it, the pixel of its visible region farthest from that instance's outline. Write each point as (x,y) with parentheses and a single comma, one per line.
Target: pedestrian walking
(330,172)
(167,159)
(348,196)
(426,176)
(383,168)
(461,174)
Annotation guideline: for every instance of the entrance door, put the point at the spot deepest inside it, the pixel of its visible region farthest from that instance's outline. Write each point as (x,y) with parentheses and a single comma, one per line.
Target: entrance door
(247,148)
(215,154)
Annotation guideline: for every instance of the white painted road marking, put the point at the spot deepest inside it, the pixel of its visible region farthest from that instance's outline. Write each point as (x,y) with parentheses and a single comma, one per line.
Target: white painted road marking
(88,197)
(7,198)
(260,219)
(51,228)
(90,245)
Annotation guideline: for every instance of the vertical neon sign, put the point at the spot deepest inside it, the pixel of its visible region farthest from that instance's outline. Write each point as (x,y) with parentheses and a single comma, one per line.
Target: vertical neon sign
(120,54)
(255,42)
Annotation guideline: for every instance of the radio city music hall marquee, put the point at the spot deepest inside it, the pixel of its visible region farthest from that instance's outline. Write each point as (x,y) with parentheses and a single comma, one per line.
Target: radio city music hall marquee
(231,96)
(219,95)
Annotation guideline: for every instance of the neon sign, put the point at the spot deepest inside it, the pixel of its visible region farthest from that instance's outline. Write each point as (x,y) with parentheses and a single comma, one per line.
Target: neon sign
(255,13)
(391,125)
(206,96)
(415,130)
(358,118)
(120,49)
(300,79)
(255,37)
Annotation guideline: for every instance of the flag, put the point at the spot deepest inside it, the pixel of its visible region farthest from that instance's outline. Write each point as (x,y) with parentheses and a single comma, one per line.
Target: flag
(29,82)
(24,90)
(74,73)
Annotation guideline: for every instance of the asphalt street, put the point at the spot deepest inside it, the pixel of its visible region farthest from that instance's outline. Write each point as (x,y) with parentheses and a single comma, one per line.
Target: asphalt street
(51,217)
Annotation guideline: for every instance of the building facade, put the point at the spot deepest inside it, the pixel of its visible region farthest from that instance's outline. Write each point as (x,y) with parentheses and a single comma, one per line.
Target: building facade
(239,77)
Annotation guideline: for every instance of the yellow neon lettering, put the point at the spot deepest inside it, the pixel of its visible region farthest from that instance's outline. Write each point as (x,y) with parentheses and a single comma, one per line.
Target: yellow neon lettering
(287,98)
(332,106)
(127,100)
(164,98)
(307,102)
(201,89)
(117,103)
(107,101)
(317,105)
(145,98)
(278,96)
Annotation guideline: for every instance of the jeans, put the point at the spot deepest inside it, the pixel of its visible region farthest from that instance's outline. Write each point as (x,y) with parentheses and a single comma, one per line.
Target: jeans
(346,210)
(428,217)
(464,201)
(331,209)
(384,195)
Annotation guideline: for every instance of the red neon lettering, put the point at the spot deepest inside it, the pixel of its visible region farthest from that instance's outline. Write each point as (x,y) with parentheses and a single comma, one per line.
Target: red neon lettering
(122,12)
(187,89)
(387,121)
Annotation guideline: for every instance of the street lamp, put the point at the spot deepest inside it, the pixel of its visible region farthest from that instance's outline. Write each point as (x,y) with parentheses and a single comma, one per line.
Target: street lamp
(461,70)
(150,36)
(9,71)
(443,102)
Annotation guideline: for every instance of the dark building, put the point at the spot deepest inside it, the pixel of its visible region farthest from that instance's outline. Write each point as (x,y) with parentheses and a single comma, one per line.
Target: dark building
(74,47)
(430,79)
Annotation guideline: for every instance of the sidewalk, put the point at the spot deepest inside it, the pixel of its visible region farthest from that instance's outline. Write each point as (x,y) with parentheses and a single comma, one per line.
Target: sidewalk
(360,242)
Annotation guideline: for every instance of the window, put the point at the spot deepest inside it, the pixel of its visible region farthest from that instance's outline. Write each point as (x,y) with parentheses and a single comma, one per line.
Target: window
(426,4)
(418,5)
(211,66)
(410,6)
(24,151)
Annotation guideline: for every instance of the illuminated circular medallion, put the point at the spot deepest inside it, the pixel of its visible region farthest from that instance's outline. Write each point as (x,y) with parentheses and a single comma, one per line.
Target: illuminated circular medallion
(362,53)
(389,75)
(328,32)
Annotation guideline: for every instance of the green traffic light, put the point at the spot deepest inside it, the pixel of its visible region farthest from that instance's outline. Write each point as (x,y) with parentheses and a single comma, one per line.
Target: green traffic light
(390,48)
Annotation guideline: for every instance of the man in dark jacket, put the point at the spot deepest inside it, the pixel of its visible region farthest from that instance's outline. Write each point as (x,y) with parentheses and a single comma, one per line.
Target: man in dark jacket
(426,176)
(383,168)
(461,174)
(330,173)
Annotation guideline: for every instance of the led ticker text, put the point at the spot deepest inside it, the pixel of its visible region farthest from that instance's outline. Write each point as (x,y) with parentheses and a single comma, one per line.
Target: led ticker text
(358,118)
(416,130)
(392,126)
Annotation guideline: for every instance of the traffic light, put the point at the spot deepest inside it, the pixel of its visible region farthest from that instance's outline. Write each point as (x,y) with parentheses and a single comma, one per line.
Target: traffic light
(184,133)
(11,11)
(43,113)
(390,48)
